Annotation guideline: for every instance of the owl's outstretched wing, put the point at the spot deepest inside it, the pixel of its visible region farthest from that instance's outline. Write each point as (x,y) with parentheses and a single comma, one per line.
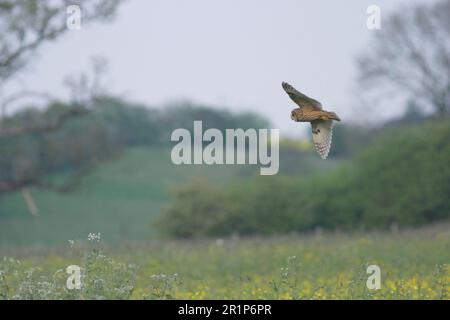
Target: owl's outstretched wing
(299,98)
(322,133)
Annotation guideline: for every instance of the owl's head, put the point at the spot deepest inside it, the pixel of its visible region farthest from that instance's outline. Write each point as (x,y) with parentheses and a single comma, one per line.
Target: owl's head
(296,114)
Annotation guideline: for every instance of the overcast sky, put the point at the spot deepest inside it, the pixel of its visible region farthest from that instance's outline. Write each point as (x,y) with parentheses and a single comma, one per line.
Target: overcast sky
(230,53)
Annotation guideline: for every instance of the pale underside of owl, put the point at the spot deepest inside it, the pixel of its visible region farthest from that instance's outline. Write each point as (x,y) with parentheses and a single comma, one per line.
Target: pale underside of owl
(310,110)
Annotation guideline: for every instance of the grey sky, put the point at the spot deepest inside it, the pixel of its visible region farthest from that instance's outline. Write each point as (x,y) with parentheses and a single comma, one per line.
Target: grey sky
(226,53)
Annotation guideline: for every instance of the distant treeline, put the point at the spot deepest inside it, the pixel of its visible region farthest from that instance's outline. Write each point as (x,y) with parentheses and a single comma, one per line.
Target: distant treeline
(403,179)
(111,125)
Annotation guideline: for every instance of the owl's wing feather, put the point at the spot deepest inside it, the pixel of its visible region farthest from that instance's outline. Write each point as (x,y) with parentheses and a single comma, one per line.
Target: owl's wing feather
(299,98)
(322,133)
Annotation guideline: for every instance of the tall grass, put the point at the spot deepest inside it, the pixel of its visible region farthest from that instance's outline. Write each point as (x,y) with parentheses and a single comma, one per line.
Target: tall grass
(414,265)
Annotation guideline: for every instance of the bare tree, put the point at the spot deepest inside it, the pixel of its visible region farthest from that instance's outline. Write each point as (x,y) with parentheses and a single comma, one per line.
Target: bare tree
(85,90)
(24,26)
(410,57)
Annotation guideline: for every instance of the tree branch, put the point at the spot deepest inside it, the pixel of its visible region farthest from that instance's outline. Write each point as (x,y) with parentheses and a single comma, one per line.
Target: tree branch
(71,184)
(6,132)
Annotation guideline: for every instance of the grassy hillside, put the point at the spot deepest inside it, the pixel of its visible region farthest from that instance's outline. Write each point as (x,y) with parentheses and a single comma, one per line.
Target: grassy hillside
(119,199)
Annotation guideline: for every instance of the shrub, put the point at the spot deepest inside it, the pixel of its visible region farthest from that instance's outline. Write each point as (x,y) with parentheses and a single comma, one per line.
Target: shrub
(402,179)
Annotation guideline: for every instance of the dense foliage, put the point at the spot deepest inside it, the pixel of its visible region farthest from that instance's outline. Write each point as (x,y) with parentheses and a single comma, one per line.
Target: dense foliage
(403,179)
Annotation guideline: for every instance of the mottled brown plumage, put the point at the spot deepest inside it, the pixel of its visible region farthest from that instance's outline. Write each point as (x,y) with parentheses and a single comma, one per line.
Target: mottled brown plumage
(311,111)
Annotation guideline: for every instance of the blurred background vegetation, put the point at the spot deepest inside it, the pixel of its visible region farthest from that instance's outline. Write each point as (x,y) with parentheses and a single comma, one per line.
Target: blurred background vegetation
(97,162)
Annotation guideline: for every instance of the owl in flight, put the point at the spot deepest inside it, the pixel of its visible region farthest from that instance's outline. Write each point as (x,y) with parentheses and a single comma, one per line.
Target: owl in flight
(311,111)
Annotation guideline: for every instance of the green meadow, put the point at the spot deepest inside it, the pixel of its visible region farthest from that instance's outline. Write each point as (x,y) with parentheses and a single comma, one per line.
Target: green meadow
(122,198)
(413,265)
(119,199)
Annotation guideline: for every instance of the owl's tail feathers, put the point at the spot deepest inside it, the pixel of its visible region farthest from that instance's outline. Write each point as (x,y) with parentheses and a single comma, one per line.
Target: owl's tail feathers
(334,116)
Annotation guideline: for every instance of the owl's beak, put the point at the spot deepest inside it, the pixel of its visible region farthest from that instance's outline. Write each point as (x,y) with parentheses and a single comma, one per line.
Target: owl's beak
(292,117)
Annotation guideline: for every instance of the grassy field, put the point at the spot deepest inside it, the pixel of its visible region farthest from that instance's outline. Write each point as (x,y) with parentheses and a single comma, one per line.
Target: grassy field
(118,199)
(414,265)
